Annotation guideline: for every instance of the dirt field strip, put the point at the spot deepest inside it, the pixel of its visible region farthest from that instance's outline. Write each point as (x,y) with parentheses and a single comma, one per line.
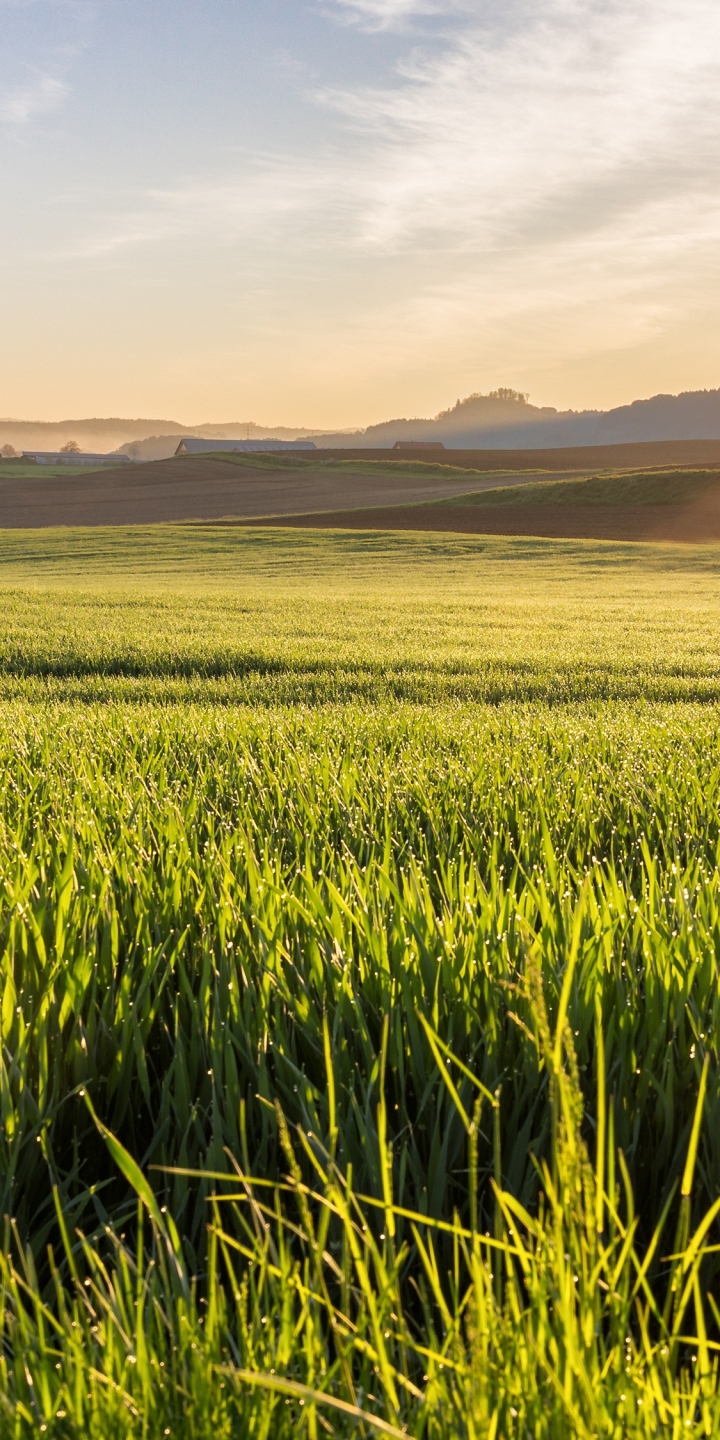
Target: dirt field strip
(693,524)
(203,488)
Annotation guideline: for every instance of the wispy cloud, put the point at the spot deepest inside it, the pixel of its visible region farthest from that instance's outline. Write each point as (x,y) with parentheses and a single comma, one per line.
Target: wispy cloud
(257,204)
(44,40)
(553,116)
(20,104)
(532,167)
(378,15)
(526,125)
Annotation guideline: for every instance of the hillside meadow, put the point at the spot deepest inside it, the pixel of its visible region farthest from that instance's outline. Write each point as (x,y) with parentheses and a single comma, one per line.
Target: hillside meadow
(653,487)
(14,470)
(360,918)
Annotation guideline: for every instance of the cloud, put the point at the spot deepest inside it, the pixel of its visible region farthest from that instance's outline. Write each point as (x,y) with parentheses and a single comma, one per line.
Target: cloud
(543,171)
(269,194)
(24,103)
(386,14)
(531,163)
(44,40)
(559,114)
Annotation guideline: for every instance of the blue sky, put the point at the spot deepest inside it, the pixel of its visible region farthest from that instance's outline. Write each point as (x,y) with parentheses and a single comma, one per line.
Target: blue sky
(326,213)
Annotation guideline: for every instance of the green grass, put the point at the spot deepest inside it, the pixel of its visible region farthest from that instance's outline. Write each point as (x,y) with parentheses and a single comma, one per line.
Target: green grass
(673,487)
(359,1065)
(281,617)
(414,469)
(21,470)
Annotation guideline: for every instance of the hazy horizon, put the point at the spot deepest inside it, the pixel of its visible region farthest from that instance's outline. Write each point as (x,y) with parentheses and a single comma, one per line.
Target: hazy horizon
(500,419)
(351,209)
(240,421)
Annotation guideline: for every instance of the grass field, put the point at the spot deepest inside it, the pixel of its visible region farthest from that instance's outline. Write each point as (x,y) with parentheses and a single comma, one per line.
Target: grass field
(360,915)
(280,617)
(646,487)
(654,487)
(318,460)
(21,470)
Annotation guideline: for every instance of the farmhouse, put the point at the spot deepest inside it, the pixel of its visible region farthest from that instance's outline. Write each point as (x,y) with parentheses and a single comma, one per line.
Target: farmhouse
(191,446)
(74,457)
(417,446)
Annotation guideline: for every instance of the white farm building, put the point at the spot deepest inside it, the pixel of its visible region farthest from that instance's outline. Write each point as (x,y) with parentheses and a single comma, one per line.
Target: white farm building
(190,446)
(74,457)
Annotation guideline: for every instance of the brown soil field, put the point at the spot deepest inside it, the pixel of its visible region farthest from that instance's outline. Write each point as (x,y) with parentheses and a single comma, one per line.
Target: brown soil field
(199,488)
(694,524)
(650,454)
(204,488)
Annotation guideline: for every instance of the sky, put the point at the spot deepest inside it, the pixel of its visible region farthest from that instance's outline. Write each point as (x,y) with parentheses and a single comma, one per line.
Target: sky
(334,212)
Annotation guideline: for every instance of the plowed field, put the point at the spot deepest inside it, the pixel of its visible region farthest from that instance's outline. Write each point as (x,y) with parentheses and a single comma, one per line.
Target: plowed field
(204,488)
(693,524)
(209,488)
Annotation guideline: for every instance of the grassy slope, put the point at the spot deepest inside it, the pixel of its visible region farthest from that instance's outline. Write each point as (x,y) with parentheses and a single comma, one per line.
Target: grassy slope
(673,487)
(11,471)
(416,469)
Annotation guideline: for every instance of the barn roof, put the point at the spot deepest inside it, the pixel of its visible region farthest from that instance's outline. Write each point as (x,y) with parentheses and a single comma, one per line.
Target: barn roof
(75,457)
(192,445)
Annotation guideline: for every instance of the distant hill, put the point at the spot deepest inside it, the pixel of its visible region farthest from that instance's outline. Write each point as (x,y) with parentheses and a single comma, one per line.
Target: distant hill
(143,439)
(163,446)
(501,420)
(505,419)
